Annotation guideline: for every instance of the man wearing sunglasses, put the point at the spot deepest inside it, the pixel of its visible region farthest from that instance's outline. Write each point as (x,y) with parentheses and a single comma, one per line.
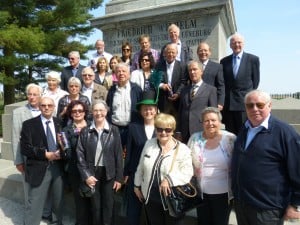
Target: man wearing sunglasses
(265,166)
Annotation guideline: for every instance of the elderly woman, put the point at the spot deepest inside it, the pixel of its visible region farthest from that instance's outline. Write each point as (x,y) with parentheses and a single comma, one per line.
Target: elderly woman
(142,76)
(53,89)
(77,112)
(138,134)
(100,163)
(74,87)
(211,154)
(153,178)
(102,76)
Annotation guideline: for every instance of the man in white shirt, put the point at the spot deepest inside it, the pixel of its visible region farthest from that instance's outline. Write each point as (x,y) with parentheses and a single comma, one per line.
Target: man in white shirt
(100,46)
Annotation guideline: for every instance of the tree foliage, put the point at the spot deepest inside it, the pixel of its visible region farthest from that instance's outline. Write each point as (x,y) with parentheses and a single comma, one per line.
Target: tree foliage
(37,35)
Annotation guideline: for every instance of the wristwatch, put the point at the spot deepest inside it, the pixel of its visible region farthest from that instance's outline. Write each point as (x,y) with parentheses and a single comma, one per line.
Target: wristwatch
(297,207)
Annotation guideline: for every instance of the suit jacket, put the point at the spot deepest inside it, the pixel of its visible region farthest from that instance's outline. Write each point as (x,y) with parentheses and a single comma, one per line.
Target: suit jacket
(19,115)
(178,82)
(67,73)
(33,146)
(135,143)
(190,109)
(213,75)
(186,54)
(135,95)
(246,80)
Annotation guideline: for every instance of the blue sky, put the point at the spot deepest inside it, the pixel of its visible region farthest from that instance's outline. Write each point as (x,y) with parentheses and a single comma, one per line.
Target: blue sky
(272,32)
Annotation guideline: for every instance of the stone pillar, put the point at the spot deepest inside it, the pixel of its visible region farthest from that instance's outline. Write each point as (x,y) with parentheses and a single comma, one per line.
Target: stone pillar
(212,21)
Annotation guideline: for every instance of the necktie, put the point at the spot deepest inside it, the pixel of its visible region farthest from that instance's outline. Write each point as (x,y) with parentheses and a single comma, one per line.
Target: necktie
(236,64)
(50,138)
(193,92)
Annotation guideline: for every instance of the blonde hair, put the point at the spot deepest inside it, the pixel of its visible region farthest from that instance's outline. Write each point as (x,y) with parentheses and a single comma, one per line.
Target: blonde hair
(165,120)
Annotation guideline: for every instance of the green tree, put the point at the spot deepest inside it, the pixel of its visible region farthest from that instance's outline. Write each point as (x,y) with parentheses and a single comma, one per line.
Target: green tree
(36,36)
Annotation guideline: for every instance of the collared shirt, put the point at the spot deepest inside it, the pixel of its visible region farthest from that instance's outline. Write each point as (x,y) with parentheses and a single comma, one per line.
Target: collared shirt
(51,125)
(121,107)
(34,111)
(74,71)
(204,64)
(252,131)
(197,85)
(178,51)
(99,144)
(88,91)
(170,68)
(95,57)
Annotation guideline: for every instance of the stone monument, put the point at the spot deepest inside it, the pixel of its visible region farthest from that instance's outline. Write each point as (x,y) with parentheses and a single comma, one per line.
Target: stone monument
(212,21)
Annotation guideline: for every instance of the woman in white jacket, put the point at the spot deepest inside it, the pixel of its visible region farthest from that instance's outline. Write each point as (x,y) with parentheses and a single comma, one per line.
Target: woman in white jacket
(153,178)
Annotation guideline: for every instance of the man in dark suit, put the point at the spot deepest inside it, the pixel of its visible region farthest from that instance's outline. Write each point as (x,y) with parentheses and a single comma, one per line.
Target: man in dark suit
(184,52)
(212,72)
(241,75)
(44,168)
(121,99)
(193,99)
(174,79)
(74,70)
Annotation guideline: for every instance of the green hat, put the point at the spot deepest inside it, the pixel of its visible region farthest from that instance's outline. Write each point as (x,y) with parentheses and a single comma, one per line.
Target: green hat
(149,98)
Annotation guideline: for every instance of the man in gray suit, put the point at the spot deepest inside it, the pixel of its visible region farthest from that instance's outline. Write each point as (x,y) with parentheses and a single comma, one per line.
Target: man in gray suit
(19,115)
(193,99)
(241,75)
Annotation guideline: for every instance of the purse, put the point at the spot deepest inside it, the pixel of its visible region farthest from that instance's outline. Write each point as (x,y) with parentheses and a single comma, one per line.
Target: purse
(85,190)
(183,197)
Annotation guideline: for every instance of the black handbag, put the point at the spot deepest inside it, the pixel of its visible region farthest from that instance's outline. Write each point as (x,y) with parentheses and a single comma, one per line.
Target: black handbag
(85,190)
(183,197)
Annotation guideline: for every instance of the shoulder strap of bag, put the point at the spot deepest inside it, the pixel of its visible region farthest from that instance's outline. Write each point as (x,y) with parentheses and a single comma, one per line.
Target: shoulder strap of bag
(104,146)
(174,157)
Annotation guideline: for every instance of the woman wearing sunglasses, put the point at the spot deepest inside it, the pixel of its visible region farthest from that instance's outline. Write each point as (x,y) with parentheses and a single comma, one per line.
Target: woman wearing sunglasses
(211,153)
(153,178)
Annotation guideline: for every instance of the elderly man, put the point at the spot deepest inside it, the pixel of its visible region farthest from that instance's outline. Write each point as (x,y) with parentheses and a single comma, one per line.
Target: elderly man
(91,89)
(44,167)
(265,166)
(212,72)
(74,70)
(241,75)
(122,99)
(193,99)
(100,47)
(174,79)
(145,44)
(184,52)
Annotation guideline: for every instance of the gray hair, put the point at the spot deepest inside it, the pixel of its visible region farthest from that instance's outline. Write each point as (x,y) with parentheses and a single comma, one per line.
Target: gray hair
(122,64)
(266,96)
(54,75)
(33,85)
(102,102)
(75,53)
(200,66)
(74,80)
(211,110)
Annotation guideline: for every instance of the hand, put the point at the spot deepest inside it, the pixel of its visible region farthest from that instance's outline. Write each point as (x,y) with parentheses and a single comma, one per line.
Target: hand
(91,181)
(117,186)
(291,213)
(20,168)
(174,97)
(165,187)
(139,194)
(53,155)
(126,179)
(220,107)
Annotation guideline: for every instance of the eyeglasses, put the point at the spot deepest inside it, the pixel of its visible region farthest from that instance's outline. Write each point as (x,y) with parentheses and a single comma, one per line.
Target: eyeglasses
(259,105)
(167,130)
(145,60)
(126,49)
(77,111)
(47,105)
(87,75)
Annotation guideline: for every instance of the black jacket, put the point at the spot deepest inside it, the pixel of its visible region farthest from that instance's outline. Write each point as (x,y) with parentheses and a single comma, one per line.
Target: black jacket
(112,155)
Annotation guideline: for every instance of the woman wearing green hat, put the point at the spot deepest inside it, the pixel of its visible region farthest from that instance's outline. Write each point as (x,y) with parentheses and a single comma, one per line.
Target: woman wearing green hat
(138,134)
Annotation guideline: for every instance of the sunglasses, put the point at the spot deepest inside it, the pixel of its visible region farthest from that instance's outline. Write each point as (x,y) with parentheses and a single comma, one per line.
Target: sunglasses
(259,105)
(47,105)
(77,111)
(167,130)
(87,75)
(126,49)
(145,60)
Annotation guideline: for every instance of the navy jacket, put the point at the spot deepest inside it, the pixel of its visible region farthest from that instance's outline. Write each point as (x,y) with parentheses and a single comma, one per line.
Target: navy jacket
(266,175)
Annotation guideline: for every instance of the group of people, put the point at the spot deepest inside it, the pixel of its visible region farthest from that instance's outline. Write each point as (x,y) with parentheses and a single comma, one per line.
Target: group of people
(152,121)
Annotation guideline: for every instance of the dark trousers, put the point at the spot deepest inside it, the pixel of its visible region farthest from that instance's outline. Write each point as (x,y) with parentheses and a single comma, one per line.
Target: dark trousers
(134,206)
(214,211)
(248,215)
(158,216)
(103,199)
(233,120)
(83,212)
